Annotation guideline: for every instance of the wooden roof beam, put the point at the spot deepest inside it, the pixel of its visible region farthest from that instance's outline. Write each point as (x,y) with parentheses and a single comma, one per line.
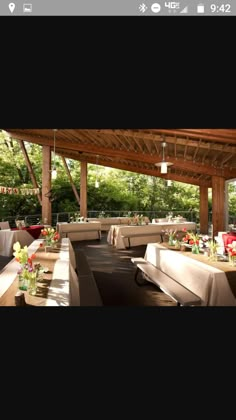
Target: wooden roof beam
(195,167)
(173,138)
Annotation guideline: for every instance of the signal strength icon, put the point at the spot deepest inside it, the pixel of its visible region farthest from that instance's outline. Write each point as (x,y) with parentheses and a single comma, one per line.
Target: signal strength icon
(185,10)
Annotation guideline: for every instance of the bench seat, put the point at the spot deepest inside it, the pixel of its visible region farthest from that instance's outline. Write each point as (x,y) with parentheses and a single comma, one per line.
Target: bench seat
(169,286)
(89,293)
(82,231)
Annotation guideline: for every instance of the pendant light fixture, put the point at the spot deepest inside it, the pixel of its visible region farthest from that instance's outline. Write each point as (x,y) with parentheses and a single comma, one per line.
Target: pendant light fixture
(54,169)
(163,164)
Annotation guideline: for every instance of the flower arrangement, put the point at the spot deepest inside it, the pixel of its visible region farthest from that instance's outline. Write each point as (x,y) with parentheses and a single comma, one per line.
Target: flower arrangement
(212,246)
(231,249)
(172,237)
(193,239)
(21,254)
(170,232)
(50,235)
(28,272)
(139,219)
(75,218)
(203,242)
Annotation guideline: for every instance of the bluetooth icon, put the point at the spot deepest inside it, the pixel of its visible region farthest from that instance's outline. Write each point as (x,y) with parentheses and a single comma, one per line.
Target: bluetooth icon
(142,8)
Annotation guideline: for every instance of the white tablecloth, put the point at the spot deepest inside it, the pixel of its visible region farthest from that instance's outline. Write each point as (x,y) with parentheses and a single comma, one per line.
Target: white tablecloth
(106,222)
(209,283)
(9,237)
(64,287)
(80,231)
(115,233)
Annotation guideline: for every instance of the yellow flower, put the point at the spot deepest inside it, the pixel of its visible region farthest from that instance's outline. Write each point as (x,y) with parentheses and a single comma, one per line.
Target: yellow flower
(21,254)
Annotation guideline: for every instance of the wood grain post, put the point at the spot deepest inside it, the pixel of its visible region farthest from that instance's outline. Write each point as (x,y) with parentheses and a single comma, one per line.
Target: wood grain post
(218,205)
(83,189)
(46,186)
(203,209)
(71,180)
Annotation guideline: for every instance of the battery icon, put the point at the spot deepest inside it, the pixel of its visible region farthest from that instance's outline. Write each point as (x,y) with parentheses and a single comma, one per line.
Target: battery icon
(200,8)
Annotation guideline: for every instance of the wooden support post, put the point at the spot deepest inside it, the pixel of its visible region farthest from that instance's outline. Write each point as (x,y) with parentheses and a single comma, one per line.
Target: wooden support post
(203,209)
(46,186)
(83,189)
(71,180)
(30,169)
(218,205)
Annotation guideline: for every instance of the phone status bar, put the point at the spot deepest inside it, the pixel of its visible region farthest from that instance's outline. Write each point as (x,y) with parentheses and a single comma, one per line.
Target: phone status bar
(118,8)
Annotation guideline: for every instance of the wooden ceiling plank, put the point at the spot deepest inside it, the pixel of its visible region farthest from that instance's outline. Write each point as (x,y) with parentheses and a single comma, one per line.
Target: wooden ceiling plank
(180,140)
(203,134)
(154,138)
(63,141)
(175,147)
(138,143)
(123,142)
(196,150)
(230,156)
(185,150)
(180,163)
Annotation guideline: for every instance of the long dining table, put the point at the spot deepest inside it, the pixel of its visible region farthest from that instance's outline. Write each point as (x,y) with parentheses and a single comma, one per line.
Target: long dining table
(116,233)
(9,237)
(60,284)
(79,231)
(213,281)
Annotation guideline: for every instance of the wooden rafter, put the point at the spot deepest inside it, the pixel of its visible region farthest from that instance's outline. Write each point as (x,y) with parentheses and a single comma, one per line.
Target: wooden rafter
(30,169)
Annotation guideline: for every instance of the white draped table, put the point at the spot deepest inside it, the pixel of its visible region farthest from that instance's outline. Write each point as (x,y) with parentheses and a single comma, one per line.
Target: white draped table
(116,232)
(9,237)
(64,286)
(106,222)
(208,282)
(80,231)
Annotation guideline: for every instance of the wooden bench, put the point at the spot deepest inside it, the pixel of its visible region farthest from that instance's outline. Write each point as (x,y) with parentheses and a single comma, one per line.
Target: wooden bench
(140,235)
(178,292)
(82,231)
(89,293)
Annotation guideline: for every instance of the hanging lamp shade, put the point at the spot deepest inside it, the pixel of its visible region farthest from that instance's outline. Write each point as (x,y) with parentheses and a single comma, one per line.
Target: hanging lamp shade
(163,164)
(54,169)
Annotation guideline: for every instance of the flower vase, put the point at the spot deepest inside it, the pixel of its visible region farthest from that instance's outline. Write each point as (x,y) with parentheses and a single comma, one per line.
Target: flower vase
(22,282)
(32,284)
(212,255)
(171,240)
(232,260)
(195,249)
(48,242)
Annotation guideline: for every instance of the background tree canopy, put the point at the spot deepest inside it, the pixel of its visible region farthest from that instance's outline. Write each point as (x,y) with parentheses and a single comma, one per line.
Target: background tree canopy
(118,190)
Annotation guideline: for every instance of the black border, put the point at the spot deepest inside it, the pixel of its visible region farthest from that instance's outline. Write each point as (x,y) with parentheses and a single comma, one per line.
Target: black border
(120,72)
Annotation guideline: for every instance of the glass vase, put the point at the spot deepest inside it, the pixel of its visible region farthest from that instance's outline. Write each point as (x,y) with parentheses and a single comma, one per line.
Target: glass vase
(32,284)
(232,260)
(171,240)
(212,255)
(48,242)
(22,282)
(195,249)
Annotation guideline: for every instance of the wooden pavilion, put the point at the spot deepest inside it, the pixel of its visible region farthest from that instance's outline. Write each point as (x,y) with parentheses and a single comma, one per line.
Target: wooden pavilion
(202,157)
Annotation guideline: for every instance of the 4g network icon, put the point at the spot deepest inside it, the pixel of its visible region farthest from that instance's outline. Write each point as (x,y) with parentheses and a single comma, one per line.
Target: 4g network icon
(172,6)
